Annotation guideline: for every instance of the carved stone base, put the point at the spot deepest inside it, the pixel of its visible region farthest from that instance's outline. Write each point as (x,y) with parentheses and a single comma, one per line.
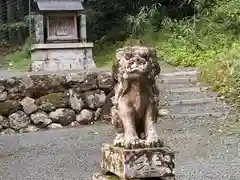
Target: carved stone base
(137,163)
(101,176)
(62,57)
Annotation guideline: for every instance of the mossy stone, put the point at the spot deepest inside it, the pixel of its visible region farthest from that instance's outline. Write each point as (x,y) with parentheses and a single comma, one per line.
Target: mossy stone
(8,107)
(53,101)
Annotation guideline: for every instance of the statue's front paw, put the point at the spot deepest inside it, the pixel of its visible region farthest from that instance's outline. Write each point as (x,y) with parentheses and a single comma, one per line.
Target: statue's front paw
(132,142)
(153,141)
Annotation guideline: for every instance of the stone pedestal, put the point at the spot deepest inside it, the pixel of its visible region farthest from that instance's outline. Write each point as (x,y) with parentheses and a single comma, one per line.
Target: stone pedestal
(102,176)
(157,163)
(62,56)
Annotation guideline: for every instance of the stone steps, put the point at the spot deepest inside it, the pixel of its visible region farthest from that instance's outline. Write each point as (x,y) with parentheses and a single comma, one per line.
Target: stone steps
(202,108)
(186,98)
(198,115)
(192,101)
(186,90)
(179,80)
(181,73)
(170,86)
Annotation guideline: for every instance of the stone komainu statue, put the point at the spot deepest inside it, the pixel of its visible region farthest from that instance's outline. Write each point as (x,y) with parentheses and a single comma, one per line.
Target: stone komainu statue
(135,104)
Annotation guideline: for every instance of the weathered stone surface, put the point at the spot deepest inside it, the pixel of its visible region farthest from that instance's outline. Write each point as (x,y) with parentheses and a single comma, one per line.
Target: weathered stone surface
(4,122)
(47,107)
(105,81)
(76,101)
(108,176)
(94,99)
(40,85)
(54,126)
(28,105)
(101,176)
(97,114)
(9,106)
(105,114)
(7,131)
(53,101)
(40,119)
(36,95)
(89,82)
(18,120)
(137,163)
(15,96)
(62,57)
(74,124)
(30,128)
(136,69)
(3,96)
(83,81)
(14,85)
(2,88)
(63,116)
(74,78)
(85,117)
(163,112)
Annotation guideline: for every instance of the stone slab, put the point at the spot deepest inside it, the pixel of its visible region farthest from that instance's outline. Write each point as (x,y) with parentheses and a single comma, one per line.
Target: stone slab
(101,176)
(137,163)
(62,46)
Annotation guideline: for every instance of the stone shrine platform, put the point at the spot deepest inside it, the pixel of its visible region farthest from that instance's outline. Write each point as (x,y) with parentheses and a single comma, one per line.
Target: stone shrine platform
(142,163)
(62,57)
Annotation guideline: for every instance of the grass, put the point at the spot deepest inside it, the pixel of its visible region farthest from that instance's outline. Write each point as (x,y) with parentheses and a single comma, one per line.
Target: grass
(104,53)
(17,61)
(18,57)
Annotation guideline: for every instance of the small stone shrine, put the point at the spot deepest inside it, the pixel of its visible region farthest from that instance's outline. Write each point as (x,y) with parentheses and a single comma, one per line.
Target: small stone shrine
(137,152)
(61,42)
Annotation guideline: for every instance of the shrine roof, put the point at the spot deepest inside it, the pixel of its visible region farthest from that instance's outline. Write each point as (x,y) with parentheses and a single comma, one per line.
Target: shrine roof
(59,5)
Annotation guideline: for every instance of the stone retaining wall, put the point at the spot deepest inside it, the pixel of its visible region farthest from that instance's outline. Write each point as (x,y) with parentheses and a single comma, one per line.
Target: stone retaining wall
(34,101)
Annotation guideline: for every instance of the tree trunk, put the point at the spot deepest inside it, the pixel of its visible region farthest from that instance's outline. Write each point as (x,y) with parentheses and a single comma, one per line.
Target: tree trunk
(1,12)
(20,16)
(3,35)
(11,18)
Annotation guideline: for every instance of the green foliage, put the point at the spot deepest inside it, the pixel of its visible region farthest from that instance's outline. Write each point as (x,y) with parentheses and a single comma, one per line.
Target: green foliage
(13,26)
(210,41)
(20,59)
(17,60)
(104,53)
(106,16)
(137,24)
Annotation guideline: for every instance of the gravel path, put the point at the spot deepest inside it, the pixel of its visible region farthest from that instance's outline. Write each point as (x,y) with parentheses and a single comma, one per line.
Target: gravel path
(74,154)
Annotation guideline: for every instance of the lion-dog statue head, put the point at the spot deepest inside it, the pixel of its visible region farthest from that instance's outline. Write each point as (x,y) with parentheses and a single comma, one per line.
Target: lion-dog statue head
(135,102)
